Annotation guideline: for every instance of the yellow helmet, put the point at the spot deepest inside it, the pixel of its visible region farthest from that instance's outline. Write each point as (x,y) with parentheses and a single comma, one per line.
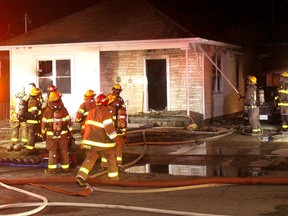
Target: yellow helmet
(89,93)
(285,74)
(117,87)
(35,92)
(54,96)
(111,98)
(253,79)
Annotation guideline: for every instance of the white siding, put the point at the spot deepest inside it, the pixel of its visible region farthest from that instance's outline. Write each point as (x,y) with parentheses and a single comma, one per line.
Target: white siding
(85,72)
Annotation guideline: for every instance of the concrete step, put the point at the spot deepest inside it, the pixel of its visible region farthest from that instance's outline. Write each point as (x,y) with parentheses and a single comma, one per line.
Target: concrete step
(158,121)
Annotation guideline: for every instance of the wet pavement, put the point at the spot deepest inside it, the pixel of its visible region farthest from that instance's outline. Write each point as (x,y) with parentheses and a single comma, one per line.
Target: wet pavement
(157,157)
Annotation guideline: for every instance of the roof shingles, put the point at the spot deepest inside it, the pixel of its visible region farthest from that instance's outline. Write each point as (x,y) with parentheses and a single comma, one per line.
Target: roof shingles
(106,20)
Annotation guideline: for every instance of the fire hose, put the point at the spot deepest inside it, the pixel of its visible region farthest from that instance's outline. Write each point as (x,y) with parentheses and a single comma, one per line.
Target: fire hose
(160,186)
(45,203)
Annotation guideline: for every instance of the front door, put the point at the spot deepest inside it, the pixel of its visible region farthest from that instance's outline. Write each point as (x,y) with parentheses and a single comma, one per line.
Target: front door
(156,84)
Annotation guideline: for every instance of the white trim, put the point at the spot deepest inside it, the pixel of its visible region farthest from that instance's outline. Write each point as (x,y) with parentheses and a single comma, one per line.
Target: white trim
(187,83)
(182,43)
(53,58)
(145,87)
(203,85)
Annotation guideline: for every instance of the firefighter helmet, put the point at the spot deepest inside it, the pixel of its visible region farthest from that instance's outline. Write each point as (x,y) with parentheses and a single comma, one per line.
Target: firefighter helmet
(54,96)
(111,98)
(52,88)
(35,92)
(253,79)
(89,93)
(101,99)
(285,74)
(117,87)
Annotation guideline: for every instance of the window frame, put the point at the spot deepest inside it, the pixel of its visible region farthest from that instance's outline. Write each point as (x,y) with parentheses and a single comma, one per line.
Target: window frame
(216,75)
(54,76)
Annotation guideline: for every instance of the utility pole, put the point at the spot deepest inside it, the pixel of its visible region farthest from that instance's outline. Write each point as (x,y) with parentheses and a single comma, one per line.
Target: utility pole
(27,20)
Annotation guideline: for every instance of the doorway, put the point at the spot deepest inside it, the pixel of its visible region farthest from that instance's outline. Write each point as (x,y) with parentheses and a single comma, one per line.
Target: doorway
(156,73)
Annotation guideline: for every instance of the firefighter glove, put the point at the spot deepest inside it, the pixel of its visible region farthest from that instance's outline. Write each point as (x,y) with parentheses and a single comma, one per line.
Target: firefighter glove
(43,135)
(241,97)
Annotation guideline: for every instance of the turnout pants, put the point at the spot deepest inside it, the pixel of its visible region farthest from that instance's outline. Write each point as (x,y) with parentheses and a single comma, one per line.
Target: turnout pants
(92,155)
(284,117)
(254,119)
(16,127)
(33,135)
(55,146)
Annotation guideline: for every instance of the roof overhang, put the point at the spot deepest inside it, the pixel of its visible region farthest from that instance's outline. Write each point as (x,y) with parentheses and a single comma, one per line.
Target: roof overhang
(179,43)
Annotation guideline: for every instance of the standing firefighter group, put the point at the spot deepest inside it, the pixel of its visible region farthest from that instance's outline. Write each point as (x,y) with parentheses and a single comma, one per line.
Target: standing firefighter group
(252,102)
(103,122)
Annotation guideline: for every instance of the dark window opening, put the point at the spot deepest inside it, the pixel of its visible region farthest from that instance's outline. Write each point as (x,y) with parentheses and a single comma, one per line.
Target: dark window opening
(157,84)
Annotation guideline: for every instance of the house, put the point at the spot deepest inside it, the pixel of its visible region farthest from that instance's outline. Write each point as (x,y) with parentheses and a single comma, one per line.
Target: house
(159,64)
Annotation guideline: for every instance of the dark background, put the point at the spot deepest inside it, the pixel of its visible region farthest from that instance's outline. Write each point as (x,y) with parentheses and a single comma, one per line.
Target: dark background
(244,22)
(12,13)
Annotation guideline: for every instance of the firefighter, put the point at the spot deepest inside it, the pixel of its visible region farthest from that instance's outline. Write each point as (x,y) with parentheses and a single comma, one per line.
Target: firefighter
(251,102)
(99,138)
(40,97)
(117,107)
(283,101)
(17,121)
(55,127)
(50,89)
(85,107)
(33,119)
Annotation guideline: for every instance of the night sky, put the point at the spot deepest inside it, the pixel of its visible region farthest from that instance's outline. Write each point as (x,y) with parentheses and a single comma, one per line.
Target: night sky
(242,22)
(41,12)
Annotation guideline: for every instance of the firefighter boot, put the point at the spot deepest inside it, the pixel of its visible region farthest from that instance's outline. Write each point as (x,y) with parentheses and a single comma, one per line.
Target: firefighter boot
(80,181)
(17,147)
(120,167)
(10,147)
(22,145)
(50,171)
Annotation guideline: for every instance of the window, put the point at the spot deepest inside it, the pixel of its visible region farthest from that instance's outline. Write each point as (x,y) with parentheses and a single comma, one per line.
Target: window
(216,75)
(55,72)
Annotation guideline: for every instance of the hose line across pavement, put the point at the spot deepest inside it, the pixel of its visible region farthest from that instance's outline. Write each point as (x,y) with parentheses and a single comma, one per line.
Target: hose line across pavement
(45,203)
(158,186)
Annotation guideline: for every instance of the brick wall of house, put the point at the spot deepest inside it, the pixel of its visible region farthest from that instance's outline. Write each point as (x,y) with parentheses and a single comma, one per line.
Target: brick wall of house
(127,68)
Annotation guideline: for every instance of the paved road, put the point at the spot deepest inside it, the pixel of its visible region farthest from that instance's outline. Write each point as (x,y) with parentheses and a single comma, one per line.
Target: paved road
(269,199)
